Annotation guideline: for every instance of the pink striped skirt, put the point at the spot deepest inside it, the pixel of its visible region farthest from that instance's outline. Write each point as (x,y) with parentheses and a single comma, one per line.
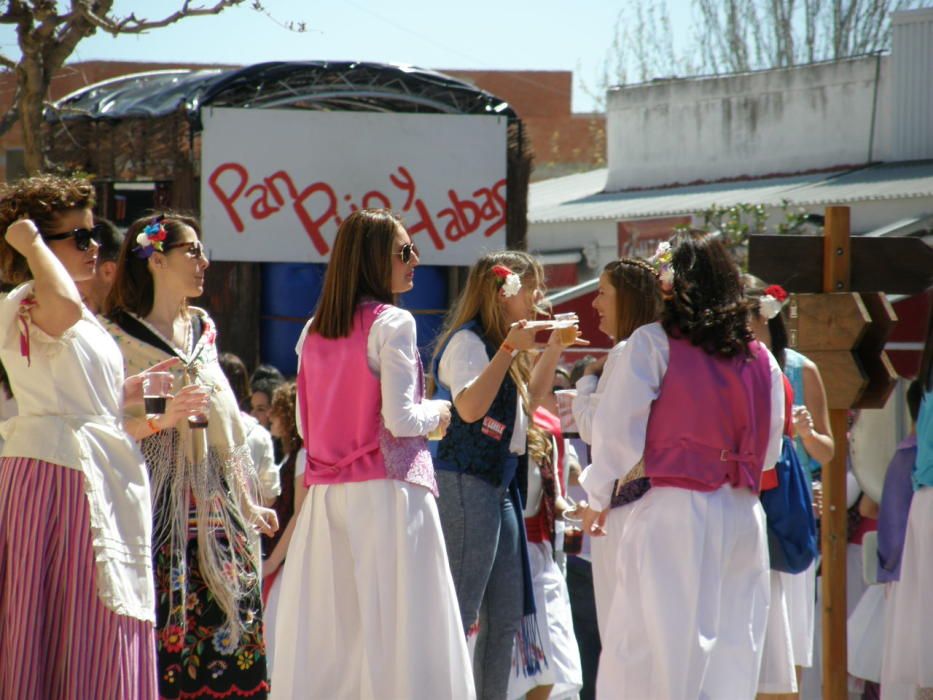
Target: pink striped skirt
(58,639)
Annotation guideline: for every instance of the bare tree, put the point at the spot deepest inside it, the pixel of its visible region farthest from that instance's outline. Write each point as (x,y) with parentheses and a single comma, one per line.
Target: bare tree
(733,36)
(47,35)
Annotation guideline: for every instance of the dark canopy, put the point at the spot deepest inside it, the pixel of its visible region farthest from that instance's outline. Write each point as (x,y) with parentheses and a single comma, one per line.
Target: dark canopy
(324,85)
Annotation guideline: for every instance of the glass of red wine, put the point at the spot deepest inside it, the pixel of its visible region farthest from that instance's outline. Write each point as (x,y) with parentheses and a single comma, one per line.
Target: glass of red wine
(157,387)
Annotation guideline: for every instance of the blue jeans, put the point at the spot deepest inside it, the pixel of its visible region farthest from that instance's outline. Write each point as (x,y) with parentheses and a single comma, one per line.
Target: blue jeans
(481,530)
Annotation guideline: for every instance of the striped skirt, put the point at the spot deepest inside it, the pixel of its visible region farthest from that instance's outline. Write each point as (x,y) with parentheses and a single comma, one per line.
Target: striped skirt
(58,639)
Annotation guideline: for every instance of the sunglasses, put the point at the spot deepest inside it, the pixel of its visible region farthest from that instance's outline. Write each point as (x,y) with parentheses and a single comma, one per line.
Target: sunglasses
(407,251)
(195,248)
(82,236)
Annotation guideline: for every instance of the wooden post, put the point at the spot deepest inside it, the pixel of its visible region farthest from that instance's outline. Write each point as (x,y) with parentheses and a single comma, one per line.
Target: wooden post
(836,269)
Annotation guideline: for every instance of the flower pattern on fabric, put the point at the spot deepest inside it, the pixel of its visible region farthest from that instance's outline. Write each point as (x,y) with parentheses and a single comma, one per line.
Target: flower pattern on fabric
(200,659)
(408,458)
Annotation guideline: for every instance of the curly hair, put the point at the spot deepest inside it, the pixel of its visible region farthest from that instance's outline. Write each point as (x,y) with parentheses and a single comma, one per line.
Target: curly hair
(43,199)
(284,405)
(707,306)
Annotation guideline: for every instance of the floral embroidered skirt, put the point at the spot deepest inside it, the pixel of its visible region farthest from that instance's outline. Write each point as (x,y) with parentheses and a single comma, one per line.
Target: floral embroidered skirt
(200,660)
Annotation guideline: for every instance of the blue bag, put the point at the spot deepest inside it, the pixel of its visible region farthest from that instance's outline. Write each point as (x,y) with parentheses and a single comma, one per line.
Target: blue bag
(789,511)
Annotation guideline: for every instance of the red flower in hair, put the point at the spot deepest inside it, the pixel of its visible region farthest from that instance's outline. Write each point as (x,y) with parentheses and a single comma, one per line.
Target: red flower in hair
(509,283)
(776,291)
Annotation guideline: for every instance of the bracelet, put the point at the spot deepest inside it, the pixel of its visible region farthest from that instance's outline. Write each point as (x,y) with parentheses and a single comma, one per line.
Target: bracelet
(153,426)
(510,349)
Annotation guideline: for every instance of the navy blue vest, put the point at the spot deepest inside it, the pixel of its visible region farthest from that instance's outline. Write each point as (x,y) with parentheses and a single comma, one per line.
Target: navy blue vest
(481,448)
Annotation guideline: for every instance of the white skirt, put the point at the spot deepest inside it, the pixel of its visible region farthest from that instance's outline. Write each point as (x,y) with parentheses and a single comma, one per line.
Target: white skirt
(603,554)
(908,655)
(561,666)
(800,595)
(691,602)
(367,608)
(268,618)
(777,662)
(865,635)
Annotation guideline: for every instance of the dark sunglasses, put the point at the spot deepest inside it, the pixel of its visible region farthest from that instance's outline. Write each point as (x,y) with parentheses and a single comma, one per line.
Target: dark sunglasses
(407,251)
(82,236)
(195,248)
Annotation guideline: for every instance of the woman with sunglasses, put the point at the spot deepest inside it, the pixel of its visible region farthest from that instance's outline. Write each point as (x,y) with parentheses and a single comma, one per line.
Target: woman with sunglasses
(76,595)
(480,362)
(204,484)
(367,606)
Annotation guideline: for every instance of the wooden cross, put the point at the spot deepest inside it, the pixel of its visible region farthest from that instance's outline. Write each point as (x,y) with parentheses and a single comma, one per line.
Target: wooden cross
(843,330)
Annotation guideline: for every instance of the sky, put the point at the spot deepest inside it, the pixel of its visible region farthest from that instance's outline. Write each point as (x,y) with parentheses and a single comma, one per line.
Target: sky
(482,34)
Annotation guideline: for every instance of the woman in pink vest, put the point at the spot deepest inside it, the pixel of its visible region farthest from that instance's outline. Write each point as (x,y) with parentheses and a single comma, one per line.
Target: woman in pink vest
(367,606)
(704,404)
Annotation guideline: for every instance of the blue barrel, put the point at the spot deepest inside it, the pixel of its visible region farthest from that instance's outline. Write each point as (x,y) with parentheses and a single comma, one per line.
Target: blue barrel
(290,292)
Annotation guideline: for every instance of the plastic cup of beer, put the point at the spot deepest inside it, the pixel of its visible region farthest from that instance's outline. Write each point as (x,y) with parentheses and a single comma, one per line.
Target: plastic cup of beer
(157,387)
(568,335)
(437,433)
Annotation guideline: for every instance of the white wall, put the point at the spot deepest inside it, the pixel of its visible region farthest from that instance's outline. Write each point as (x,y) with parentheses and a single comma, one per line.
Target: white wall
(748,125)
(598,240)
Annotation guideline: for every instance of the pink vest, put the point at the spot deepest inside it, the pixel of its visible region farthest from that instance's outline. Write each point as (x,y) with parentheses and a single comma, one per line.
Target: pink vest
(710,424)
(341,414)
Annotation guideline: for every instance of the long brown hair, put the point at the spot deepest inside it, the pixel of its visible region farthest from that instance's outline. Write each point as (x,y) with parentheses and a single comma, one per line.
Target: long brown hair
(638,294)
(480,301)
(360,267)
(42,199)
(133,287)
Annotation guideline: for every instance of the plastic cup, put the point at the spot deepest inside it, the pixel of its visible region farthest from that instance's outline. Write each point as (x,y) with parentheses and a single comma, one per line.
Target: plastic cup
(573,540)
(200,420)
(157,387)
(568,335)
(437,434)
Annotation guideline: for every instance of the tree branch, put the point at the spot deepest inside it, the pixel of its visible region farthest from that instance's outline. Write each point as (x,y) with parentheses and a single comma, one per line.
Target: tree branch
(132,24)
(12,113)
(7,62)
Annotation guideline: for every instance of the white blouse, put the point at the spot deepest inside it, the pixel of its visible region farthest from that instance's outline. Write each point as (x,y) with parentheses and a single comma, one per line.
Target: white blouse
(70,414)
(463,361)
(589,390)
(263,453)
(620,423)
(392,355)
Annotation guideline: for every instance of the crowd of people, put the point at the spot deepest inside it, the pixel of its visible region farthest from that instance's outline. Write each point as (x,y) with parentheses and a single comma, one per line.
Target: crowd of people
(375,528)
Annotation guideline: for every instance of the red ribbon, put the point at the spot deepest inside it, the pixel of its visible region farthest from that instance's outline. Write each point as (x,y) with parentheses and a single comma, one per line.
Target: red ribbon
(23,317)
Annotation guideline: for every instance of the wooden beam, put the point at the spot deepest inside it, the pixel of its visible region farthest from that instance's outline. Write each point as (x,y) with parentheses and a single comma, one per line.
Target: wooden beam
(833,526)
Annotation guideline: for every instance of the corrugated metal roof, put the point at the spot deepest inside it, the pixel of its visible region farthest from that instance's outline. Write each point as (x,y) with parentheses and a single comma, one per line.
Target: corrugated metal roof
(583,202)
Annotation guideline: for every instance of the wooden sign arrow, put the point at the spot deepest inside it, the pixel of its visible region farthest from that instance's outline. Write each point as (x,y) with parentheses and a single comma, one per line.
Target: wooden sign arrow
(882,376)
(892,264)
(843,376)
(818,322)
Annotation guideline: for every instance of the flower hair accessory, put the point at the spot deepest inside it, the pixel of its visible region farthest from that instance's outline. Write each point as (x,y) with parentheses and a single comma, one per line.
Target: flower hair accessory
(772,301)
(150,238)
(509,283)
(661,261)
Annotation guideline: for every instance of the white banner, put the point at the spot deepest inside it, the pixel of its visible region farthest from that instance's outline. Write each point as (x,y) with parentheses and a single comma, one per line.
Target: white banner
(275,184)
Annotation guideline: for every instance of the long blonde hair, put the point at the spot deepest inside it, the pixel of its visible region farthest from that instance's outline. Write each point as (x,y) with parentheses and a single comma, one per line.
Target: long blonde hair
(480,301)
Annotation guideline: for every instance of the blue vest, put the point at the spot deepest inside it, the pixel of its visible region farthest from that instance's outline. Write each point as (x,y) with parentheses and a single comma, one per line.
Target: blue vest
(481,448)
